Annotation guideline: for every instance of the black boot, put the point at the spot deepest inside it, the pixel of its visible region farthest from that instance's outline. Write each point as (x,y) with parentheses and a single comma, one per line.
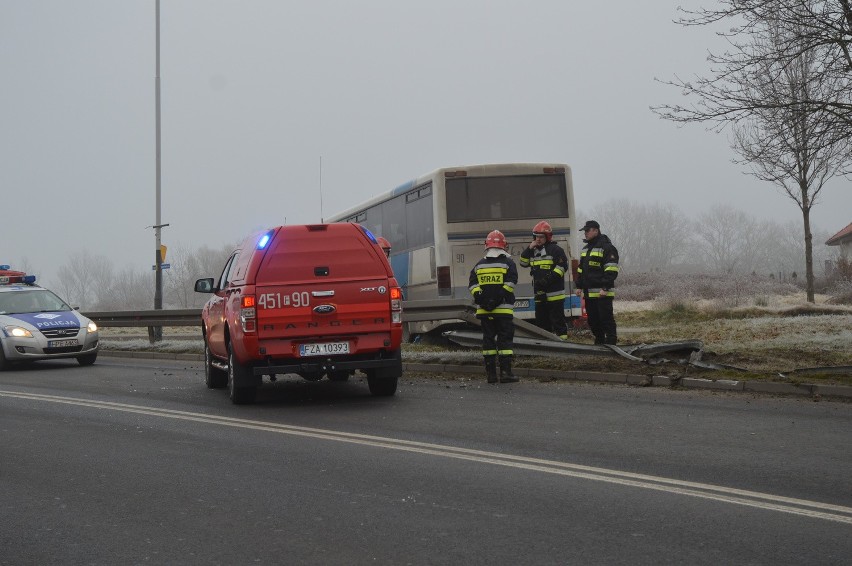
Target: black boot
(611,339)
(491,368)
(506,375)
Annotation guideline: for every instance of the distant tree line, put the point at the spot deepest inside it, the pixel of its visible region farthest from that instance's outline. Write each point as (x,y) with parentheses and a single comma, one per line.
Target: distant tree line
(651,238)
(93,283)
(720,240)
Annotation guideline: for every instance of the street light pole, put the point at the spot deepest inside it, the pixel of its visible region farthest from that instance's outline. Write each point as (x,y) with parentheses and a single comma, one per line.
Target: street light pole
(155,333)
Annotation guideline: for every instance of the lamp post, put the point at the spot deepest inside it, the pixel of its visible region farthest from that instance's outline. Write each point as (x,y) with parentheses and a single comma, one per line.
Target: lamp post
(155,333)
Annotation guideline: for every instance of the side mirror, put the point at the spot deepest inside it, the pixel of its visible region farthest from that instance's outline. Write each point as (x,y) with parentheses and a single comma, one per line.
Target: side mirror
(204,285)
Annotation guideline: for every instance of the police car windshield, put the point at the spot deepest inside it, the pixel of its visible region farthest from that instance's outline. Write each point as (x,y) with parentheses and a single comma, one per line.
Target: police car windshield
(26,301)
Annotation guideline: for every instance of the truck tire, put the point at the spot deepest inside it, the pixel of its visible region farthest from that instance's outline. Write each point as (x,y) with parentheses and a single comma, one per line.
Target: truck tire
(240,394)
(87,359)
(213,376)
(383,381)
(382,386)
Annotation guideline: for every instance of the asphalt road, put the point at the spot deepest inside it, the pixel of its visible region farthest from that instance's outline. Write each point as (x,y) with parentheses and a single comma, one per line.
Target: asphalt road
(136,462)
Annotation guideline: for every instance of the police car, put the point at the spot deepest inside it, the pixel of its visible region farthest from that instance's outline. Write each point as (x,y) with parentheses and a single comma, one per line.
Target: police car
(35,324)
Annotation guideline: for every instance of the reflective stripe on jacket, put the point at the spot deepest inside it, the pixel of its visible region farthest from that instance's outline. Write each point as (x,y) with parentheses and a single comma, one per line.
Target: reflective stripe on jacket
(598,267)
(492,281)
(548,265)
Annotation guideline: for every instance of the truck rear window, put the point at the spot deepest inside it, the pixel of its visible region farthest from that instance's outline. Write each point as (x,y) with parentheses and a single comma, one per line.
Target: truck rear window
(301,255)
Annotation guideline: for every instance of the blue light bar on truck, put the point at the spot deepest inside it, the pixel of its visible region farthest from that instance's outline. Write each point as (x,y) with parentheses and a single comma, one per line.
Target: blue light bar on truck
(264,240)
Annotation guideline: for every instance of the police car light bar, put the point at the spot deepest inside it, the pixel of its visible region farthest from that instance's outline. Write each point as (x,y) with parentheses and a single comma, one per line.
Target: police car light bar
(8,276)
(25,279)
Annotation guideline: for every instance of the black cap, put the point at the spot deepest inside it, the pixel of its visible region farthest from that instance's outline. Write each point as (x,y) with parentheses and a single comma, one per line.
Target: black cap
(590,224)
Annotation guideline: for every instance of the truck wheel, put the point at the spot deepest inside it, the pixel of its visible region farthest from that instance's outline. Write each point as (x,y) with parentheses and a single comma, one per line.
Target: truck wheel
(240,395)
(213,376)
(87,359)
(382,387)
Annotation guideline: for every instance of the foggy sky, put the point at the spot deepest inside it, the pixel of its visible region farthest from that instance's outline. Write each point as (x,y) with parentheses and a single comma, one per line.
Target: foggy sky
(255,93)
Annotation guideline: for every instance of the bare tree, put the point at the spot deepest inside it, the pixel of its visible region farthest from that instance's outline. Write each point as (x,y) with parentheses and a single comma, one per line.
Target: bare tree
(180,278)
(84,278)
(131,291)
(767,87)
(791,147)
(187,266)
(725,237)
(823,32)
(649,237)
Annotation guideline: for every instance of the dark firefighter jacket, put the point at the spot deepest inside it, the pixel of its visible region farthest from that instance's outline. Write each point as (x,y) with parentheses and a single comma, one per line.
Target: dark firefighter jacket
(548,265)
(492,284)
(598,267)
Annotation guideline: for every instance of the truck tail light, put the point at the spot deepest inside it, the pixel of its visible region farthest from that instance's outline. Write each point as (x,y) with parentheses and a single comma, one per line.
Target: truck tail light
(444,282)
(248,313)
(396,305)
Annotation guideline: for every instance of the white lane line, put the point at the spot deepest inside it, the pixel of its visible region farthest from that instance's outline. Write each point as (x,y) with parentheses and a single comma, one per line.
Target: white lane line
(814,509)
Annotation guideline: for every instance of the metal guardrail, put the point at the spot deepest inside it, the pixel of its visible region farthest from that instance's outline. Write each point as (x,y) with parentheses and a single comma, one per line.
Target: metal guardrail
(412,311)
(170,317)
(461,310)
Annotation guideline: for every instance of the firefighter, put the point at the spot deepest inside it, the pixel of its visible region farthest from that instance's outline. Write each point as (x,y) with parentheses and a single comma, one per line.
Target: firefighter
(596,280)
(492,284)
(385,245)
(548,264)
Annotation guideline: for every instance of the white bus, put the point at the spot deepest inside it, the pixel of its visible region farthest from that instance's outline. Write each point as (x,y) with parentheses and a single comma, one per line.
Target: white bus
(436,225)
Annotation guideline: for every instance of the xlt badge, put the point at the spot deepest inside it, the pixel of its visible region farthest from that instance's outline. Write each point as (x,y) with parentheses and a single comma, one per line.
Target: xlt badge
(381,289)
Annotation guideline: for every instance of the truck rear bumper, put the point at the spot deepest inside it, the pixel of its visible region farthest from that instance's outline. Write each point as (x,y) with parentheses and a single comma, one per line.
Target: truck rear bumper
(324,365)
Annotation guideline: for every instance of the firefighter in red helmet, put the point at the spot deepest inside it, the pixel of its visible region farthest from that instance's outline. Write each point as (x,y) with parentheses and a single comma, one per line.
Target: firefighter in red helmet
(384,244)
(492,284)
(548,264)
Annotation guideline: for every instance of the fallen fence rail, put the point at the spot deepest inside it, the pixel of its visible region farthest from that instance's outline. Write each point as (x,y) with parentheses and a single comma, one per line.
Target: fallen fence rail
(555,347)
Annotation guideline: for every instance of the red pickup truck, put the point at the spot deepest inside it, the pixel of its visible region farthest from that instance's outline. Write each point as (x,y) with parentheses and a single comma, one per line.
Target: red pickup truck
(314,300)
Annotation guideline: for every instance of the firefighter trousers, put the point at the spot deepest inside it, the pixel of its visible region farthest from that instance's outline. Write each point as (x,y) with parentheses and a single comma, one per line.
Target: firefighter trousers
(602,320)
(550,315)
(497,335)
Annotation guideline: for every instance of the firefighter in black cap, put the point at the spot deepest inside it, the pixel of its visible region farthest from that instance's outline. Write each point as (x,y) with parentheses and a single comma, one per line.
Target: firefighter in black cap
(596,281)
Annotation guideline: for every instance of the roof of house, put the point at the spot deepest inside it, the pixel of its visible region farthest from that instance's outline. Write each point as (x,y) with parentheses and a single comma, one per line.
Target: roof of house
(840,237)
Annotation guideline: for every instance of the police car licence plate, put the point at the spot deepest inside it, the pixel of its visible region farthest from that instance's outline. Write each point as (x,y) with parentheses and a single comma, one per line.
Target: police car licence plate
(324,349)
(62,343)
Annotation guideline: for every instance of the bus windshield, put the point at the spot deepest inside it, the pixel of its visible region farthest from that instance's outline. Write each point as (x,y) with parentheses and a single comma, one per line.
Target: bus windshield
(471,199)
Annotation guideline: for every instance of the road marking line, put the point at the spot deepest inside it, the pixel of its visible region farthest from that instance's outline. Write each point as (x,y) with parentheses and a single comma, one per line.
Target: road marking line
(814,509)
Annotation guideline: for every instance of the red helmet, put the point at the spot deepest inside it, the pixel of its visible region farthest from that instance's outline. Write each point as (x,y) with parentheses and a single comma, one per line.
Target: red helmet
(384,244)
(543,229)
(495,239)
